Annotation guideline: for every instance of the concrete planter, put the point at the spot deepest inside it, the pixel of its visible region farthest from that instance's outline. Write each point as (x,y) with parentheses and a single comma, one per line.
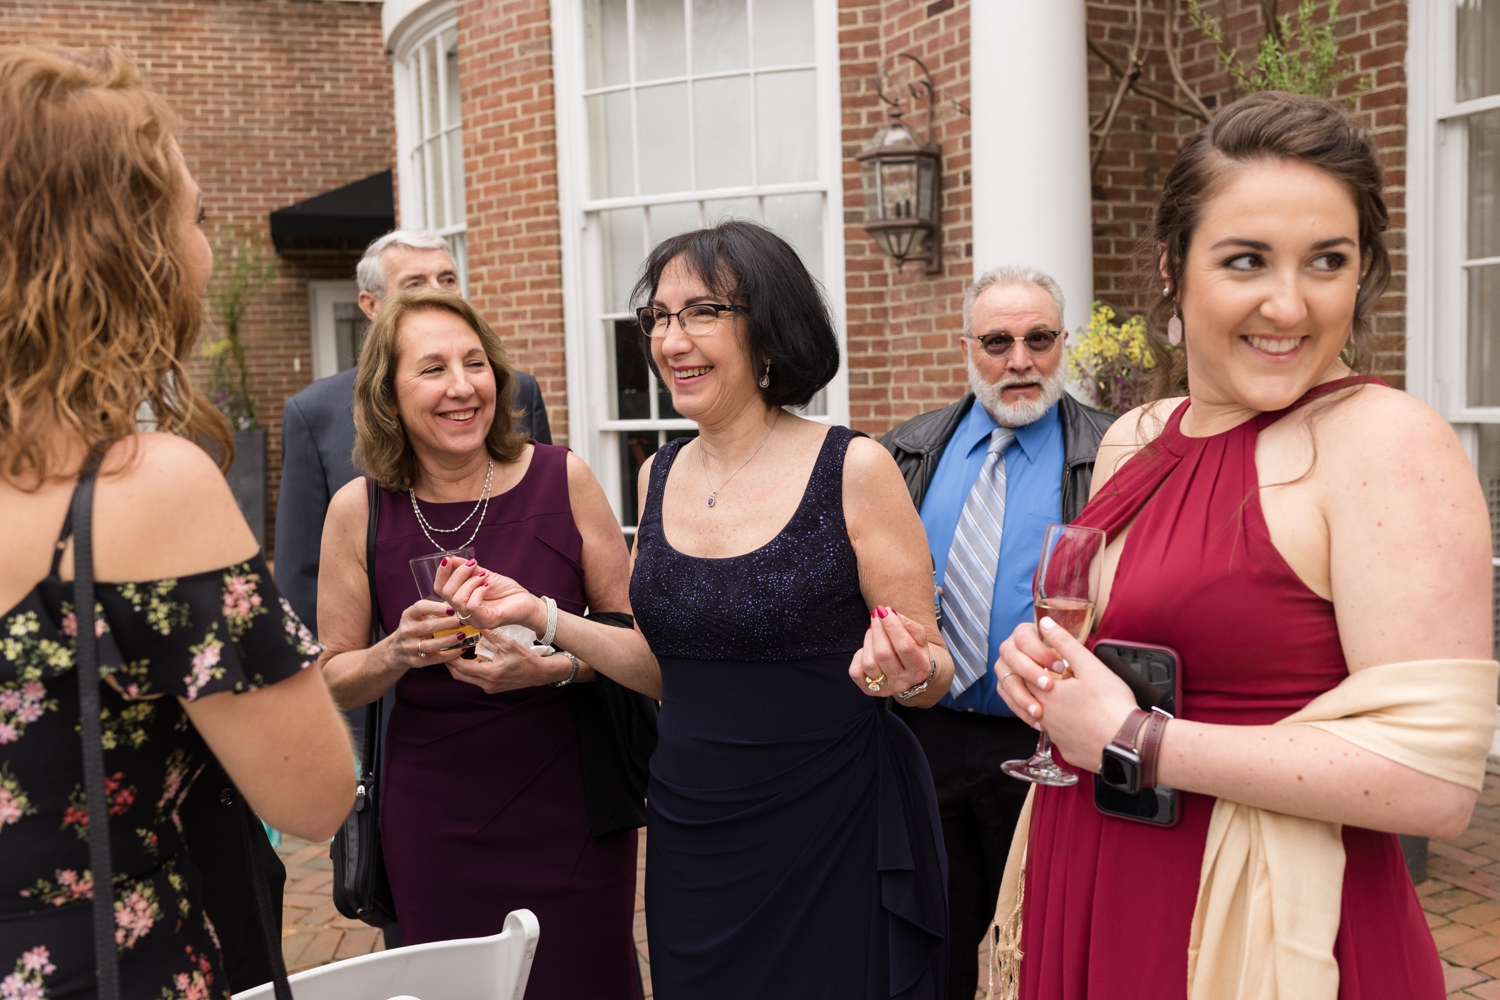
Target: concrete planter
(247,479)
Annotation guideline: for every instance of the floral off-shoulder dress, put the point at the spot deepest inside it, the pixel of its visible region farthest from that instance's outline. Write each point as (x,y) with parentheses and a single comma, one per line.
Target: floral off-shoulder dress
(226,630)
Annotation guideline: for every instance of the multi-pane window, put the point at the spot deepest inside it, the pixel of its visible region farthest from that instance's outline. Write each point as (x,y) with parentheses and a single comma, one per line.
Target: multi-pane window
(430,138)
(695,111)
(1472,137)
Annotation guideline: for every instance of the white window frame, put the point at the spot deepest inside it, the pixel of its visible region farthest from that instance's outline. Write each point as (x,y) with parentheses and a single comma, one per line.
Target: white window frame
(410,24)
(322,296)
(592,433)
(1437,214)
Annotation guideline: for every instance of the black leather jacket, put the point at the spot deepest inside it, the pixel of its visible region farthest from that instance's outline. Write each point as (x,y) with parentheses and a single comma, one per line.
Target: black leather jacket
(918,446)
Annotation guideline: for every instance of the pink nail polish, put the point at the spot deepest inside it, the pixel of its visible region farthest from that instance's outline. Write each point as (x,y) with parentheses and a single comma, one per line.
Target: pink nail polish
(874,612)
(444,562)
(882,611)
(470,562)
(480,573)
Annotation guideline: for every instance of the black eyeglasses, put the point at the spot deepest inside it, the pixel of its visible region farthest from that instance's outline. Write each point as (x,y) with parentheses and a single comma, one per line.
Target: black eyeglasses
(998,345)
(696,320)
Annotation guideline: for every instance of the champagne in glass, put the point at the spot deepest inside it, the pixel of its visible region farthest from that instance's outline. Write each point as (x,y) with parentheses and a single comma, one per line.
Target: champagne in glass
(1065,589)
(424,570)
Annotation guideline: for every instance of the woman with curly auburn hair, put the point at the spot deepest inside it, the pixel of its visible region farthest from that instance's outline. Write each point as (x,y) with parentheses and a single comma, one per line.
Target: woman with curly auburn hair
(494,794)
(102,269)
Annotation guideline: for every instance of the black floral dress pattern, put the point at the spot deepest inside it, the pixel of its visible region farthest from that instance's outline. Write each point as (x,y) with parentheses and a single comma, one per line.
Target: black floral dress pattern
(225,630)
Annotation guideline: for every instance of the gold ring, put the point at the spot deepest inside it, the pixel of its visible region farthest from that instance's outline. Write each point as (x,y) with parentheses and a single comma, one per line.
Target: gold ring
(876,683)
(462,618)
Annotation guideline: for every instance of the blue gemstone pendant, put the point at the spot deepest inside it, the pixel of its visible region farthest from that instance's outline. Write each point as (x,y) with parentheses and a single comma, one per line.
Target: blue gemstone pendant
(711,497)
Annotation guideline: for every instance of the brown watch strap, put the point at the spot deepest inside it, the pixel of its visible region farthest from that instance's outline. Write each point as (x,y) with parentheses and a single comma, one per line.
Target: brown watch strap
(1156,727)
(1125,738)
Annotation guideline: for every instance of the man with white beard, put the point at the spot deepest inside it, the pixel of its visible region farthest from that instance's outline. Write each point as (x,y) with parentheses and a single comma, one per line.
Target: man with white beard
(988,479)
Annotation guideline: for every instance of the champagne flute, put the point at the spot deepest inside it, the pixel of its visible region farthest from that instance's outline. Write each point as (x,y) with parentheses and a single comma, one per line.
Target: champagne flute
(424,571)
(1065,588)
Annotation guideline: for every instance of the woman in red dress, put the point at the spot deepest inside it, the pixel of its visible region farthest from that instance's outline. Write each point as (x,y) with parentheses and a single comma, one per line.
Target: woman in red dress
(1285,527)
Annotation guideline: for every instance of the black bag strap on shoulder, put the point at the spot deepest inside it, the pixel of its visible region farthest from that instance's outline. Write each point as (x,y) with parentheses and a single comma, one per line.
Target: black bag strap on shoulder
(370,752)
(106,958)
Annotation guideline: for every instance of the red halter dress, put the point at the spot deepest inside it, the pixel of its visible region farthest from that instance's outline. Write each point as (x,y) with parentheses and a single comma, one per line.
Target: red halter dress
(1109,902)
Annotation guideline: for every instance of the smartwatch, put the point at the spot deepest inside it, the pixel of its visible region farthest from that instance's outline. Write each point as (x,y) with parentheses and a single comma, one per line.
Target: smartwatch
(1123,766)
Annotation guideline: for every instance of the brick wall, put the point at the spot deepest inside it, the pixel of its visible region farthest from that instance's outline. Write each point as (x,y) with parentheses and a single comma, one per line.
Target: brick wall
(902,322)
(1147,135)
(510,171)
(279,101)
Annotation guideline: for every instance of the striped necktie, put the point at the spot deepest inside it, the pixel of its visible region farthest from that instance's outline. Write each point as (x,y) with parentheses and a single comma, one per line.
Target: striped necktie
(969,581)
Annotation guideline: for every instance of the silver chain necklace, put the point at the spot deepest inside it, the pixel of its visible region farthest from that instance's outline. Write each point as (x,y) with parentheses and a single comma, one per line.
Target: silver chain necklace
(713,494)
(479,508)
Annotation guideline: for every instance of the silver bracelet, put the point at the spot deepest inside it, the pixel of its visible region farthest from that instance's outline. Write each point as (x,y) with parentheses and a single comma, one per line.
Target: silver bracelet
(572,676)
(551,633)
(912,692)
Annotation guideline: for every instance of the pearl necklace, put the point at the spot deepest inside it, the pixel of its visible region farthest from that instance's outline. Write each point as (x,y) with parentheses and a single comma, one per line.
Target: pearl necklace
(479,508)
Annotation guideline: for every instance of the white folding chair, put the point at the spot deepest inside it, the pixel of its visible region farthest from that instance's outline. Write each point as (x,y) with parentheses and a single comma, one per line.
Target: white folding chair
(487,968)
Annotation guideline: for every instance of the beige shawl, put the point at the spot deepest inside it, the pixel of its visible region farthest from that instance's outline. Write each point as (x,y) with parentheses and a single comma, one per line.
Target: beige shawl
(1271,887)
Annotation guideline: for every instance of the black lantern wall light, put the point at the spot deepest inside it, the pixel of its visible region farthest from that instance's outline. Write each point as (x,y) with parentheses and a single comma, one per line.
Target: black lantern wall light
(902,180)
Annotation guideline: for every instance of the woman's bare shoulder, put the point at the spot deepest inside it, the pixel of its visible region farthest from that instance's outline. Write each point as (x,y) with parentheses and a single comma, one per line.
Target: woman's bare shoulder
(1133,431)
(165,510)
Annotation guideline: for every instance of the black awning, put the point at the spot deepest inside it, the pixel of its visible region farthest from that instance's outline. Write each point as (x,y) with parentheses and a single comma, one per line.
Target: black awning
(343,220)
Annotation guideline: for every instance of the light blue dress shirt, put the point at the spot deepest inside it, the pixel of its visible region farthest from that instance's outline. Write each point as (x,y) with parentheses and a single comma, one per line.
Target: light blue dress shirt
(1033,499)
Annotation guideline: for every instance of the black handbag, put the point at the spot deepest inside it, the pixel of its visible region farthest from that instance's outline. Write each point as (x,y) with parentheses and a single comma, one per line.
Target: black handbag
(106,959)
(361,889)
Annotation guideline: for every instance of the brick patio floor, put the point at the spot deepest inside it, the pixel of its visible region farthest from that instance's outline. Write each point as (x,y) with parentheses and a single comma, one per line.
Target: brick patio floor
(1461,897)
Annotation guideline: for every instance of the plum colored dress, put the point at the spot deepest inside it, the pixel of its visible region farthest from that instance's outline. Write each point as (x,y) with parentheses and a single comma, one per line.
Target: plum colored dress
(483,808)
(794,845)
(1109,902)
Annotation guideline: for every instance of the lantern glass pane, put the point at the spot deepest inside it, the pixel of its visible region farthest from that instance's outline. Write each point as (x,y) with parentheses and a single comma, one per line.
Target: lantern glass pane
(898,189)
(869,175)
(926,185)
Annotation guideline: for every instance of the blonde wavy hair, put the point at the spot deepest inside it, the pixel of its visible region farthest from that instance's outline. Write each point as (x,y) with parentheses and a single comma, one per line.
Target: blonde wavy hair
(97,316)
(381,446)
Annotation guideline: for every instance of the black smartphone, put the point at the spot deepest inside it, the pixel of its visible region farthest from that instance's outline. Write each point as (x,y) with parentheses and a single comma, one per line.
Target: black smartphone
(1155,678)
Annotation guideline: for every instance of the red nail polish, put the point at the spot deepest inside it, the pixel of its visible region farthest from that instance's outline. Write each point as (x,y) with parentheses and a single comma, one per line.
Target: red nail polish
(874,612)
(444,562)
(447,611)
(470,562)
(882,612)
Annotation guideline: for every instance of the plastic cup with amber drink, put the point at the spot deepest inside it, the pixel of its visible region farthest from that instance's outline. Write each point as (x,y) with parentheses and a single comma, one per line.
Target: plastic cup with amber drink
(424,571)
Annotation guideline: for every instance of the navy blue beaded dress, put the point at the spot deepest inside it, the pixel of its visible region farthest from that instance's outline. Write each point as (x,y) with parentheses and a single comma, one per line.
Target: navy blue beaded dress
(794,846)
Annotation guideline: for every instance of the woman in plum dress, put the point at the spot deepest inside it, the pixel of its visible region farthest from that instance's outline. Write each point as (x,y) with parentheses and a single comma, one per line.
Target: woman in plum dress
(1287,527)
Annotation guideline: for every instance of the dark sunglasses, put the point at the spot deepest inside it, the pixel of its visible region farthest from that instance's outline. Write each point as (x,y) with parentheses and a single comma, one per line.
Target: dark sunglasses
(998,345)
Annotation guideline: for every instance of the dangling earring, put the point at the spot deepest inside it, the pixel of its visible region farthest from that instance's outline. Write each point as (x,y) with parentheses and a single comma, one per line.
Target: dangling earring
(1174,329)
(765,380)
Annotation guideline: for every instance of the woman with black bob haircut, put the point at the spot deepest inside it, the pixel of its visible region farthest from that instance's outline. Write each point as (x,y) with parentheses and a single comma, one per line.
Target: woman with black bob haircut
(789,330)
(782,579)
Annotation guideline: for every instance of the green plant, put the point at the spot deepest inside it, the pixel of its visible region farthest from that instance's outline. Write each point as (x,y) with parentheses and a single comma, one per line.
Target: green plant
(1113,360)
(1296,54)
(251,268)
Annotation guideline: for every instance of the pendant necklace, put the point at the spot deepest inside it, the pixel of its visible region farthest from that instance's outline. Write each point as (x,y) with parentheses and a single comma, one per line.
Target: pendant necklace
(480,508)
(713,494)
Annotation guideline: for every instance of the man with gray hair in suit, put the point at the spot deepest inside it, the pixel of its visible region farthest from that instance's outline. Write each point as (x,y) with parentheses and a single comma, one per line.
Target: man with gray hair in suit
(317,428)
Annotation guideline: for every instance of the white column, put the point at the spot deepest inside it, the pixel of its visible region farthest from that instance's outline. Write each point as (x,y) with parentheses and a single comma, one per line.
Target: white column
(1029,115)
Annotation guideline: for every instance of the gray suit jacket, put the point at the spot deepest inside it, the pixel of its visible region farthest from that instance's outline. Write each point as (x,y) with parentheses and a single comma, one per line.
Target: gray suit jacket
(317,447)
